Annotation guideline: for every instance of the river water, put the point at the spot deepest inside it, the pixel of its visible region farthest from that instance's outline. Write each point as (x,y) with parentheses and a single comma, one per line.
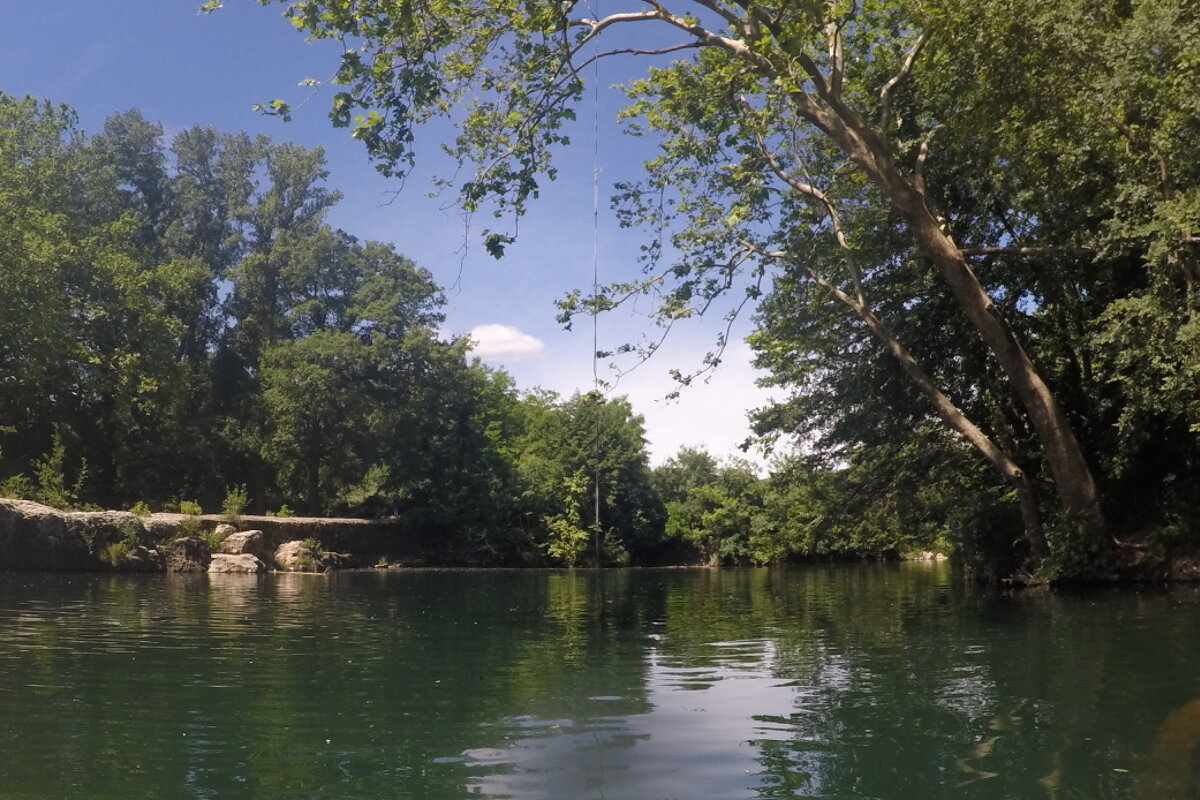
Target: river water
(887,681)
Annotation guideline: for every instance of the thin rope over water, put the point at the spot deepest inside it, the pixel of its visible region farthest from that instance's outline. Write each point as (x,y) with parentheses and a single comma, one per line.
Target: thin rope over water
(595,221)
(596,386)
(596,272)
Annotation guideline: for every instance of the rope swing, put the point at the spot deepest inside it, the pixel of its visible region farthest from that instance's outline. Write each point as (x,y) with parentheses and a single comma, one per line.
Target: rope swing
(596,455)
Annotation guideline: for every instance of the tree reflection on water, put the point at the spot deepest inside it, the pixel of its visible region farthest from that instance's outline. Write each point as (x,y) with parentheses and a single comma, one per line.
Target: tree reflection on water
(880,681)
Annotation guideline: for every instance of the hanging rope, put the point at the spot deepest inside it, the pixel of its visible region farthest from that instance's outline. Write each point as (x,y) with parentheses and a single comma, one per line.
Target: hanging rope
(595,221)
(596,455)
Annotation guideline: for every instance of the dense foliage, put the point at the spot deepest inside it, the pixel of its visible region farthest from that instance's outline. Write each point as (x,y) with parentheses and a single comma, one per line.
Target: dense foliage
(183,331)
(183,321)
(182,326)
(971,229)
(179,324)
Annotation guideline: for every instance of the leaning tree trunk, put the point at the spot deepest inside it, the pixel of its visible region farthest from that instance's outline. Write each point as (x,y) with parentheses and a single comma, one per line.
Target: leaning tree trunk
(1076,487)
(1072,476)
(952,416)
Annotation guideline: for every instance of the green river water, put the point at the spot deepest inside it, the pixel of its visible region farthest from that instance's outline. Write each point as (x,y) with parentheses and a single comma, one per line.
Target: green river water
(888,681)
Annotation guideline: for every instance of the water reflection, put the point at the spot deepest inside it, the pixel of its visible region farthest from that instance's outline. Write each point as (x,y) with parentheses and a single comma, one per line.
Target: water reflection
(873,682)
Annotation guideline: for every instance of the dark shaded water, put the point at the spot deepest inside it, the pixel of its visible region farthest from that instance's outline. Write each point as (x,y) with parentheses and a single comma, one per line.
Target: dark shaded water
(852,682)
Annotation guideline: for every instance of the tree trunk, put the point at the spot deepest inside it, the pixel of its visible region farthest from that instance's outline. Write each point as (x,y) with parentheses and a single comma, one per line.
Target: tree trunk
(954,417)
(313,472)
(1072,476)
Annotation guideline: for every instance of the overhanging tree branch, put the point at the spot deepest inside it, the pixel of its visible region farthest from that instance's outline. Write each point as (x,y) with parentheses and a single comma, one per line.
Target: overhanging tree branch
(827,206)
(974,252)
(885,94)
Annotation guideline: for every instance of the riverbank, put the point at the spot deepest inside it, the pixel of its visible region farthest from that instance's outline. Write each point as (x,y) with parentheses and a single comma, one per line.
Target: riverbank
(39,537)
(36,537)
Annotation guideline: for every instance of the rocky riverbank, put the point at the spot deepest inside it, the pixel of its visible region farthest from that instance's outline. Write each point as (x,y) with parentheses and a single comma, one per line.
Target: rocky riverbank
(38,537)
(34,537)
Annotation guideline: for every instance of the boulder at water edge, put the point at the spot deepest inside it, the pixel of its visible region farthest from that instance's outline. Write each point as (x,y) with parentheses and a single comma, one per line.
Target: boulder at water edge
(140,559)
(236,563)
(296,556)
(252,542)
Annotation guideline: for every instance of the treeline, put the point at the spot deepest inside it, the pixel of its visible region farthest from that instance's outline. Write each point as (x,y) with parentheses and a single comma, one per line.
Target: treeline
(180,324)
(1060,155)
(179,320)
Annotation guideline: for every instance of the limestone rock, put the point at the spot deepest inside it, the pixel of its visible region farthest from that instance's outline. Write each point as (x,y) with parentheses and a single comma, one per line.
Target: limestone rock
(37,537)
(245,542)
(101,525)
(225,530)
(162,526)
(34,536)
(189,554)
(238,563)
(141,559)
(296,556)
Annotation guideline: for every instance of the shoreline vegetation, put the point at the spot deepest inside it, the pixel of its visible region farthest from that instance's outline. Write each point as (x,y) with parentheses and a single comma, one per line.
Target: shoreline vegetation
(186,331)
(37,537)
(977,288)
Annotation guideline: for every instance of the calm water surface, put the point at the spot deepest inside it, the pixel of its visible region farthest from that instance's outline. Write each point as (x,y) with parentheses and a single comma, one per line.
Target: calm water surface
(853,682)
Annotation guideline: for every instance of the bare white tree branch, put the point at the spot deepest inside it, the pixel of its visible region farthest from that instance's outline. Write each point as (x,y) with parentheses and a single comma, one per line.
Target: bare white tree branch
(827,205)
(885,94)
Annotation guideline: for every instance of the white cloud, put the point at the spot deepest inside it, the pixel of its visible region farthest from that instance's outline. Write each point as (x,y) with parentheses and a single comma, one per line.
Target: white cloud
(494,340)
(711,413)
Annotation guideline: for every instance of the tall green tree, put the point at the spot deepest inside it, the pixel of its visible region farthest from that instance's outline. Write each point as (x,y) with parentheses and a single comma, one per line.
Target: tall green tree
(710,505)
(181,319)
(41,350)
(93,334)
(580,450)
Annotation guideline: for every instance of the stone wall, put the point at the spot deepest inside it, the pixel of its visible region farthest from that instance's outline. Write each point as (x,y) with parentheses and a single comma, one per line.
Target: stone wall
(38,537)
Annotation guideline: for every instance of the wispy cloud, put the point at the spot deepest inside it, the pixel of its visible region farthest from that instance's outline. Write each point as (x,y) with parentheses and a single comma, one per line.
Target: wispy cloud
(492,341)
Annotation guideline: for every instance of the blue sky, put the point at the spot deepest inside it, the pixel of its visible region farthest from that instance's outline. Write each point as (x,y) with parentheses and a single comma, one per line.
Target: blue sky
(182,68)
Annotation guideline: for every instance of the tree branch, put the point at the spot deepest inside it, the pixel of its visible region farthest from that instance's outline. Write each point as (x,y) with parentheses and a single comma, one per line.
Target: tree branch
(1166,185)
(919,166)
(814,74)
(826,204)
(707,37)
(598,25)
(885,94)
(833,30)
(945,408)
(759,15)
(632,51)
(733,19)
(970,252)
